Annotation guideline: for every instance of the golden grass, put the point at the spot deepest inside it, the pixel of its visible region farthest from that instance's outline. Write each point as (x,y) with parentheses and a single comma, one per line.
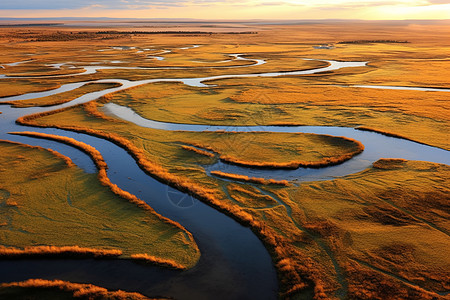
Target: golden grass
(420,116)
(88,215)
(102,175)
(386,133)
(157,260)
(52,251)
(379,286)
(296,243)
(202,189)
(66,159)
(282,150)
(59,288)
(24,86)
(417,115)
(390,217)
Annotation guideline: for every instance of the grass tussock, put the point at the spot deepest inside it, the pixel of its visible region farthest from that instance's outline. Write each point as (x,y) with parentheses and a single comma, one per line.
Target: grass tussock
(157,260)
(59,287)
(53,251)
(250,179)
(390,163)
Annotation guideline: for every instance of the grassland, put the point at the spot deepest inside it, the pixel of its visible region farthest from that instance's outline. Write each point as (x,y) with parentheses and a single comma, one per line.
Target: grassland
(79,212)
(391,223)
(309,248)
(293,101)
(378,234)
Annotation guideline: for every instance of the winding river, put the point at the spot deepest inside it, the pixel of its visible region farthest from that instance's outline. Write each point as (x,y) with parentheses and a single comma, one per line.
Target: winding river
(234,264)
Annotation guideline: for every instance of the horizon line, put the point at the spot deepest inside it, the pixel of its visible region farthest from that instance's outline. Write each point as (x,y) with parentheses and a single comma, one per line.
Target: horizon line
(211,20)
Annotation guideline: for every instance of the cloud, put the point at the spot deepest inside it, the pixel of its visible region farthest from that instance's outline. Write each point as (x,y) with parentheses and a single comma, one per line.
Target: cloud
(96,5)
(439,1)
(77,4)
(131,4)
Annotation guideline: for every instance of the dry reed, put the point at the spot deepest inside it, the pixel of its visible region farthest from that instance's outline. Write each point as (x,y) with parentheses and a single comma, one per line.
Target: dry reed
(159,261)
(198,151)
(78,290)
(250,179)
(65,251)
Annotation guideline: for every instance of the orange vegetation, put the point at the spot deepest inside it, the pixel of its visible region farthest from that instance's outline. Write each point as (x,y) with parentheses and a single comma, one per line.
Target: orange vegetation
(198,151)
(250,179)
(91,108)
(325,162)
(330,210)
(387,133)
(91,151)
(67,251)
(78,290)
(156,260)
(281,150)
(291,274)
(276,244)
(249,196)
(66,159)
(389,163)
(365,284)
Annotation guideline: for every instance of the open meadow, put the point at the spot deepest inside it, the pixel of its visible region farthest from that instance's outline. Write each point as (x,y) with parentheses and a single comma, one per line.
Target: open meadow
(330,141)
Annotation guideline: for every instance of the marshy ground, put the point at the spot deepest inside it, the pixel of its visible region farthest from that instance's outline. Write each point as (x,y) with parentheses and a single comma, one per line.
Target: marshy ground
(376,234)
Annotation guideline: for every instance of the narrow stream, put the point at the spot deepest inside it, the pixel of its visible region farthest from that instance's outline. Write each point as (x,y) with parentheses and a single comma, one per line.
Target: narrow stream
(234,264)
(376,146)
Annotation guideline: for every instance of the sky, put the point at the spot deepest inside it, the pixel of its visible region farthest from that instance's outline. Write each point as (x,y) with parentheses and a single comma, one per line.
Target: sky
(230,9)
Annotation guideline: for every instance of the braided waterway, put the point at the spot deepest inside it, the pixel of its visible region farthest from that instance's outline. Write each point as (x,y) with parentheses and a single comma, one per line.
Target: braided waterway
(234,263)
